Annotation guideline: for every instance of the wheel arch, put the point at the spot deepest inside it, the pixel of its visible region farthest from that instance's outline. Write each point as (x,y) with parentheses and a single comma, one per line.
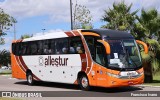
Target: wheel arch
(80,74)
(28,71)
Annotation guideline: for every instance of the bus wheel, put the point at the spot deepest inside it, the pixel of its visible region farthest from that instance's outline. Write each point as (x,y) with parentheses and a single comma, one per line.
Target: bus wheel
(84,83)
(30,79)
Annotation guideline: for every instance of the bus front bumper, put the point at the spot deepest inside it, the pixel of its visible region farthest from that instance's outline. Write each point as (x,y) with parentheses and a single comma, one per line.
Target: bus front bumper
(124,81)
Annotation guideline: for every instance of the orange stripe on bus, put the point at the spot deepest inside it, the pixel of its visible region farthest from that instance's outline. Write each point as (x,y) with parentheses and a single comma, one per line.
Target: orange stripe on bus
(84,62)
(76,33)
(25,66)
(69,34)
(18,63)
(89,59)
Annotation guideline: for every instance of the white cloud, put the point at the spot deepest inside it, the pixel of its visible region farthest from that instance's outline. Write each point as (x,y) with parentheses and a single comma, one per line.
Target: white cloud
(47,32)
(29,8)
(8,39)
(59,10)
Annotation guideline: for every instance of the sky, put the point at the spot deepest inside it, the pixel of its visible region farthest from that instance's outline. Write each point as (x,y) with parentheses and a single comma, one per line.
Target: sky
(54,15)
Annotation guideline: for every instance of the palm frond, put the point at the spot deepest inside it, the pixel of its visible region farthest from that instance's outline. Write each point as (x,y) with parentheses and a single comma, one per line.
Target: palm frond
(145,57)
(155,63)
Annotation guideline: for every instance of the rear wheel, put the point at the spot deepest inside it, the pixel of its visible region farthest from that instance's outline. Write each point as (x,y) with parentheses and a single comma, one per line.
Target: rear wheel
(84,83)
(30,80)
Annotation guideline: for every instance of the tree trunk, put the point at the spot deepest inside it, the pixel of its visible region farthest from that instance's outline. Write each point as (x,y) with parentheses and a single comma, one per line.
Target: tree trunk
(147,72)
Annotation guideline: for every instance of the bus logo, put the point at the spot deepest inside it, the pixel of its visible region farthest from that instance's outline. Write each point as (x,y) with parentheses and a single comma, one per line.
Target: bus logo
(41,61)
(50,61)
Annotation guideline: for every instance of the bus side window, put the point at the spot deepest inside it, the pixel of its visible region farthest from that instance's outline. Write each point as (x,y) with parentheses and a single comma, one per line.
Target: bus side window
(33,48)
(45,47)
(51,47)
(14,48)
(61,46)
(76,45)
(58,48)
(20,49)
(100,54)
(24,48)
(91,46)
(39,47)
(28,52)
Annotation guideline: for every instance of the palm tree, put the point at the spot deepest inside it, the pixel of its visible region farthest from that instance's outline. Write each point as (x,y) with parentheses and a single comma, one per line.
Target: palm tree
(148,29)
(4,57)
(120,17)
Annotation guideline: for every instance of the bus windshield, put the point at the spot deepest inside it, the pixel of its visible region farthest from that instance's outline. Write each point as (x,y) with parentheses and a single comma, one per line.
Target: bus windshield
(124,54)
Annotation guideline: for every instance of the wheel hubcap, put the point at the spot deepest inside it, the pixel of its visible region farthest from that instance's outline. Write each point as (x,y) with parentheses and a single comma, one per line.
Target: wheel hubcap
(30,79)
(84,82)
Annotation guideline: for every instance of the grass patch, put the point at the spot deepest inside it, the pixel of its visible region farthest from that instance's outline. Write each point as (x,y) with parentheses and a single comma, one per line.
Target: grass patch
(156,80)
(9,98)
(6,72)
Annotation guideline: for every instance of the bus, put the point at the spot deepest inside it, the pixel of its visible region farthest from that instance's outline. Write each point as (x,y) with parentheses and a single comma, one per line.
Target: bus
(95,57)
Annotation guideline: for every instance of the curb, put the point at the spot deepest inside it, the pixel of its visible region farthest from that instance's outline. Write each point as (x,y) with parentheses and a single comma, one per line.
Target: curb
(147,86)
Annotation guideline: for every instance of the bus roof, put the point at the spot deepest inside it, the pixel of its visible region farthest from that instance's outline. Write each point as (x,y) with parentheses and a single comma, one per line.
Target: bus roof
(103,33)
(107,33)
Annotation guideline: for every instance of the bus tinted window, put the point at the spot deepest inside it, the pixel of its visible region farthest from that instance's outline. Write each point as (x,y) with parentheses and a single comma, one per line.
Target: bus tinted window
(76,46)
(45,47)
(17,49)
(61,46)
(24,48)
(13,48)
(51,46)
(100,51)
(90,43)
(33,48)
(39,47)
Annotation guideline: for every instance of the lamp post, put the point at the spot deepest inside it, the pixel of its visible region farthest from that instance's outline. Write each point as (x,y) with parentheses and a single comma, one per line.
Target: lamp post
(43,31)
(14,25)
(71,14)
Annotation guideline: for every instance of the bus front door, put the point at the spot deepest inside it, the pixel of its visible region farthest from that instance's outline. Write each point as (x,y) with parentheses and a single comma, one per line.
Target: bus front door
(100,64)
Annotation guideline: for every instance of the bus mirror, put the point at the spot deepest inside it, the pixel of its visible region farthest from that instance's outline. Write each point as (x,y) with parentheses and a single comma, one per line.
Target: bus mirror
(144,46)
(106,45)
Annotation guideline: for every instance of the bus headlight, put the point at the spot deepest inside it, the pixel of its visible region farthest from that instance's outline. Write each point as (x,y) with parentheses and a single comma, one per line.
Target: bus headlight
(112,75)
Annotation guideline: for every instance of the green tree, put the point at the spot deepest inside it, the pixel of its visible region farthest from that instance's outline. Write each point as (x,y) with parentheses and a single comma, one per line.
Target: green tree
(81,17)
(6,21)
(5,58)
(148,30)
(26,36)
(120,17)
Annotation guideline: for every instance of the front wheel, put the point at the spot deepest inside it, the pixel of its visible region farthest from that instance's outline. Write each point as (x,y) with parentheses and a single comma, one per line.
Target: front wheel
(30,80)
(84,83)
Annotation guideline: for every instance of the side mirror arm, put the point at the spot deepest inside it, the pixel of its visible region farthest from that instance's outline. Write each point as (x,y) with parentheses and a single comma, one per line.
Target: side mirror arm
(144,46)
(106,45)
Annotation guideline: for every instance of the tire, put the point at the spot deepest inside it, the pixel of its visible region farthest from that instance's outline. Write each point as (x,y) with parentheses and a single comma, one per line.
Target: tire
(84,83)
(30,80)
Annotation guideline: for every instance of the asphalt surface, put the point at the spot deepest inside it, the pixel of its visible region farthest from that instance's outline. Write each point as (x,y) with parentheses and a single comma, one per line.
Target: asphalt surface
(61,91)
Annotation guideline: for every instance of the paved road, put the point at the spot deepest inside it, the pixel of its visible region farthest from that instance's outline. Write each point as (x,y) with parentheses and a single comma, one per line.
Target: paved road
(59,90)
